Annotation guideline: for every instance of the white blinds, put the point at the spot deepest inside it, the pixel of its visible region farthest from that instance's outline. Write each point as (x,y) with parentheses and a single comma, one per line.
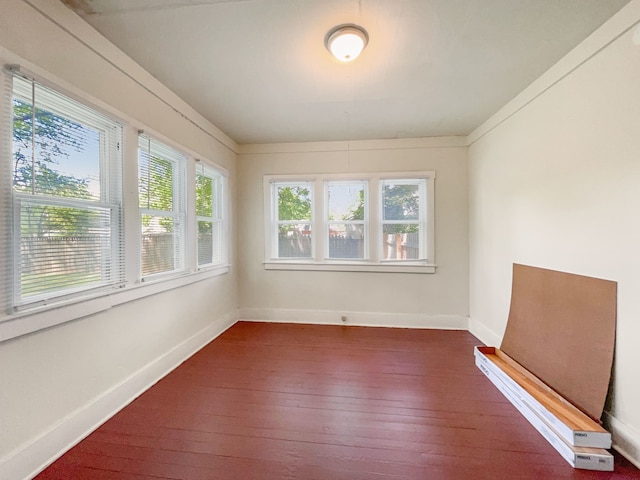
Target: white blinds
(6,217)
(162,200)
(65,174)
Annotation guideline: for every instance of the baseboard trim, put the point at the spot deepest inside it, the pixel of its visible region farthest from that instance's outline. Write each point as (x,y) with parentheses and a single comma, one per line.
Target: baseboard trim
(484,334)
(626,440)
(31,458)
(363,319)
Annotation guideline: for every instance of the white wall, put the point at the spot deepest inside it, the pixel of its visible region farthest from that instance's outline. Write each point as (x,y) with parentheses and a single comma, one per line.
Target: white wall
(58,383)
(394,299)
(554,183)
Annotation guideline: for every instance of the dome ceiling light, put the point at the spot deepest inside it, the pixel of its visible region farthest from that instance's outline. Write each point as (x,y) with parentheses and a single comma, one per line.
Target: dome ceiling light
(346,42)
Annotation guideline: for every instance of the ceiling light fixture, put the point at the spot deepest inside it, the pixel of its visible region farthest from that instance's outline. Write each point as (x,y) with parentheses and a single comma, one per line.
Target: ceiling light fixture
(346,42)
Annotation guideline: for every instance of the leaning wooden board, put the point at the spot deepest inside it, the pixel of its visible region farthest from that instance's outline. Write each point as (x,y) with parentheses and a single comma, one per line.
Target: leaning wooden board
(489,361)
(561,328)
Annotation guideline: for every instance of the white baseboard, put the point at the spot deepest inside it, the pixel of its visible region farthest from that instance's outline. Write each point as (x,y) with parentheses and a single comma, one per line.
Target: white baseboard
(484,334)
(30,459)
(364,319)
(626,440)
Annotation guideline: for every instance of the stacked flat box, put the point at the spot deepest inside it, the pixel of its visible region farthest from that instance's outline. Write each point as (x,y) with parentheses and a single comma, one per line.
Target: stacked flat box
(582,445)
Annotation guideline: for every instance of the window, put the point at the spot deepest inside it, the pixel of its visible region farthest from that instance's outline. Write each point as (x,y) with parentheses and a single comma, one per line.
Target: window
(346,214)
(210,215)
(66,195)
(291,227)
(403,219)
(162,203)
(371,222)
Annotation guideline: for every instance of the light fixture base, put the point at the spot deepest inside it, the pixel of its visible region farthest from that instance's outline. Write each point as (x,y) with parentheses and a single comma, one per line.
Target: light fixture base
(346,41)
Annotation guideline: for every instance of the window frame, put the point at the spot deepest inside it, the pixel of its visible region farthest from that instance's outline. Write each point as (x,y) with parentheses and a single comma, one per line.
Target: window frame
(218,216)
(110,165)
(422,222)
(373,261)
(178,212)
(275,222)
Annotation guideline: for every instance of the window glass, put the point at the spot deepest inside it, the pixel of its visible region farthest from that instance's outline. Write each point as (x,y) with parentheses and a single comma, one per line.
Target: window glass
(346,219)
(293,223)
(402,202)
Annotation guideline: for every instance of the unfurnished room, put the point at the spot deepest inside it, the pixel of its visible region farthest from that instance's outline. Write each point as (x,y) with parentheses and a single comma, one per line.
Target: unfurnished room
(319,239)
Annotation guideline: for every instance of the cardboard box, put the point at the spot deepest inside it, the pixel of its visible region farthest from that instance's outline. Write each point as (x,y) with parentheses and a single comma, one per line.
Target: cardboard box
(574,426)
(590,458)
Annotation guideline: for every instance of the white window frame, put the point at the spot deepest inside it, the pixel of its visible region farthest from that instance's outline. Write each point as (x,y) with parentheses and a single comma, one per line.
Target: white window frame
(178,212)
(274,221)
(421,222)
(110,175)
(218,216)
(373,261)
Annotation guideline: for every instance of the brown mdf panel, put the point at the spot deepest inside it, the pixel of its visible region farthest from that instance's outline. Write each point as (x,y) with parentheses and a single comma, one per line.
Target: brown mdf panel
(561,328)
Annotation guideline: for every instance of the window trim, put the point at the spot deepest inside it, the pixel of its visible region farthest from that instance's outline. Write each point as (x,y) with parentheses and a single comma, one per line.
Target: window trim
(373,263)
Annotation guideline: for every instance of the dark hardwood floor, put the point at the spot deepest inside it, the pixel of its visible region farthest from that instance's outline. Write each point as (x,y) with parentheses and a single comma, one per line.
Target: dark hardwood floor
(281,401)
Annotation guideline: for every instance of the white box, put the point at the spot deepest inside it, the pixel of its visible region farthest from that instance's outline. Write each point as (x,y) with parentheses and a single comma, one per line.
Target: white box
(588,458)
(595,436)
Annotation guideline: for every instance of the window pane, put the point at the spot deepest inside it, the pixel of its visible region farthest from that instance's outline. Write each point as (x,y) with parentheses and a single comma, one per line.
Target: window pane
(205,243)
(294,202)
(63,248)
(346,201)
(346,240)
(55,155)
(204,196)
(159,241)
(401,200)
(401,241)
(155,182)
(294,241)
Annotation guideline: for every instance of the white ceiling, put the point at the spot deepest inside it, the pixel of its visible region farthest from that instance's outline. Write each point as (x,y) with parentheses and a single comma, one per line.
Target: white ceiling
(258,69)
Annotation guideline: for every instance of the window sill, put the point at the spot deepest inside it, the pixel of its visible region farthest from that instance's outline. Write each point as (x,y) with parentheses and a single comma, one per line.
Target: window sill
(351,267)
(32,320)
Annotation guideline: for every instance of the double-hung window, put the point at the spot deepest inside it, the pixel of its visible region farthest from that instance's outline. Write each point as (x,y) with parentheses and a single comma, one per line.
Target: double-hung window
(66,196)
(210,216)
(347,229)
(162,203)
(376,222)
(404,219)
(291,219)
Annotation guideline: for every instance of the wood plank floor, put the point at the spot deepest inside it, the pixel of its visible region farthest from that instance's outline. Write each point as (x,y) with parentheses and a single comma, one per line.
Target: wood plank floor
(280,401)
